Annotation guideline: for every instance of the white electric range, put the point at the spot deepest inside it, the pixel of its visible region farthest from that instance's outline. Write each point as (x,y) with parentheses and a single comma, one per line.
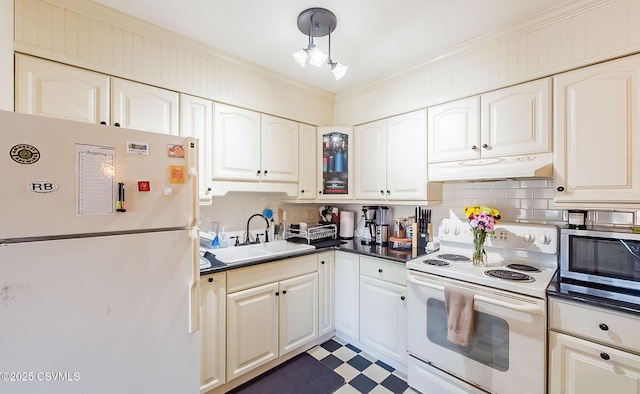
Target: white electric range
(510,329)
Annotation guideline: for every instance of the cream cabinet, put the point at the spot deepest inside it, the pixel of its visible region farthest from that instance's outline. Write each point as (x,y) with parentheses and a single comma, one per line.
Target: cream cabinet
(326,274)
(252,147)
(391,158)
(55,90)
(347,293)
(144,107)
(592,349)
(307,162)
(383,307)
(597,140)
(507,122)
(272,309)
(197,121)
(298,311)
(453,130)
(213,331)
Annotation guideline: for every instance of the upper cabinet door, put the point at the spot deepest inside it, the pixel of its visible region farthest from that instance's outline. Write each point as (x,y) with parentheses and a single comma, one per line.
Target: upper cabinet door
(407,143)
(144,107)
(371,160)
(236,141)
(597,133)
(306,162)
(279,149)
(55,90)
(454,131)
(197,121)
(516,120)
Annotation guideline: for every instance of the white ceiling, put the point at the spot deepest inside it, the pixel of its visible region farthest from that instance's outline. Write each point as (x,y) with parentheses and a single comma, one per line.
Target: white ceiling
(373,37)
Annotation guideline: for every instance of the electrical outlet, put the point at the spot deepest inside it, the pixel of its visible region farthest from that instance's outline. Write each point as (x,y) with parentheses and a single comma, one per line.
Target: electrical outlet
(311,214)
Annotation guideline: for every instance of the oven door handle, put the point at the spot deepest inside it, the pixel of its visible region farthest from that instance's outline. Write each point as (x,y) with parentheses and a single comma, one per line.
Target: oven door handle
(530,309)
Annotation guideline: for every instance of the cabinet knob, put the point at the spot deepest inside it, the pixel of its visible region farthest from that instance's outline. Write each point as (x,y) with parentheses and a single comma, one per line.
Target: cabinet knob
(402,298)
(103,123)
(560,188)
(485,146)
(117,124)
(319,191)
(388,191)
(322,262)
(380,270)
(277,293)
(473,147)
(604,356)
(265,172)
(604,327)
(302,191)
(210,280)
(258,172)
(284,292)
(381,191)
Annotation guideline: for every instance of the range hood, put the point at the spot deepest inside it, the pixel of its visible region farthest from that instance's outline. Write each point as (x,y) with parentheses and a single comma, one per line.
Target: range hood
(526,166)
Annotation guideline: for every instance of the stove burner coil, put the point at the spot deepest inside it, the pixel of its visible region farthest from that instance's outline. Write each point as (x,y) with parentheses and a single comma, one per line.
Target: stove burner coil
(454,257)
(509,275)
(523,267)
(436,262)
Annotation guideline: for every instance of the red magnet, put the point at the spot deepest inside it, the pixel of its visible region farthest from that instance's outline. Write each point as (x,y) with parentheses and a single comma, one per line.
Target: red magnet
(144,186)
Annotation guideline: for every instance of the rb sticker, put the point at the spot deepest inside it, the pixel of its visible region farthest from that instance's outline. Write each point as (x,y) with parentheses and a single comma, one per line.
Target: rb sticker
(176,174)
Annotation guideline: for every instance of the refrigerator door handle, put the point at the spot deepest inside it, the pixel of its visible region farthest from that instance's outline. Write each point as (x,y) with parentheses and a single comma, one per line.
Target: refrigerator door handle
(195,187)
(194,283)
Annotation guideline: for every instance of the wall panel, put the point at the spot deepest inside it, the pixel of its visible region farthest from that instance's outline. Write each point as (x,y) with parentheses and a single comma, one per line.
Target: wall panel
(583,32)
(86,34)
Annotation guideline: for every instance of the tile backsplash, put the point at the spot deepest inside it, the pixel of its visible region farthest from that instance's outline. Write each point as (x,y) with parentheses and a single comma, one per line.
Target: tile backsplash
(525,201)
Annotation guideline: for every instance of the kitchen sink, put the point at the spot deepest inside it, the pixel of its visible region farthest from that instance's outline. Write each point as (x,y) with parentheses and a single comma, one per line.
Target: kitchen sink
(247,253)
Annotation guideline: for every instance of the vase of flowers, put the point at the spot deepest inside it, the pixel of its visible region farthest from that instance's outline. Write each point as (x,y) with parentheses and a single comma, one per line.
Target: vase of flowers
(482,220)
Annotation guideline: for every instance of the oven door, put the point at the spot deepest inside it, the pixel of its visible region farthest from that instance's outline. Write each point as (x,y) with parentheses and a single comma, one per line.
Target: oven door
(509,336)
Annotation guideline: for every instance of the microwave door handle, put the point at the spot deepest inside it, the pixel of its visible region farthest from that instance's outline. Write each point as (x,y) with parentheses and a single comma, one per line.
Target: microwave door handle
(530,309)
(634,253)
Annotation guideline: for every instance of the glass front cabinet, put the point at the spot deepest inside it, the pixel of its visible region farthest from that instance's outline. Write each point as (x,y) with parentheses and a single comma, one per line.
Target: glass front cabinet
(335,171)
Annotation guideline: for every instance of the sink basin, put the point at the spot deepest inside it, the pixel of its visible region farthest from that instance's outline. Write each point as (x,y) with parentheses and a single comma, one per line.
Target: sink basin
(247,253)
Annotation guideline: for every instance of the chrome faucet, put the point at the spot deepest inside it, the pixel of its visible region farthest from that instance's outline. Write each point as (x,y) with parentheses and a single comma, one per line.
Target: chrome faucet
(247,239)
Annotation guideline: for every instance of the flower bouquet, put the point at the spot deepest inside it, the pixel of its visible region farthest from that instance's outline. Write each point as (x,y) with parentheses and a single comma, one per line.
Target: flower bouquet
(482,220)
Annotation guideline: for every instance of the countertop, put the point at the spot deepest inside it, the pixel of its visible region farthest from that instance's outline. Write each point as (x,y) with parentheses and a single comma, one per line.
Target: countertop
(555,289)
(349,245)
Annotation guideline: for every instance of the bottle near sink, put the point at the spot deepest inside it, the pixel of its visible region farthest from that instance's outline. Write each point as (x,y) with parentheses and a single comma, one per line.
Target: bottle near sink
(223,239)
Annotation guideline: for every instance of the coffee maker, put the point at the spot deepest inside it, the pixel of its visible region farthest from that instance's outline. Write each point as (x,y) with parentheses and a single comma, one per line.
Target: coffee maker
(382,226)
(369,212)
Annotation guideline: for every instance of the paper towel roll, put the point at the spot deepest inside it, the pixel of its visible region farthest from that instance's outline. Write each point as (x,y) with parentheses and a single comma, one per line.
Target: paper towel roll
(346,224)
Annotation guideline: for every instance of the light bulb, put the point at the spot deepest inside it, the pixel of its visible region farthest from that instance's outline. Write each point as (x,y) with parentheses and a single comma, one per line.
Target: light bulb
(338,70)
(317,57)
(301,57)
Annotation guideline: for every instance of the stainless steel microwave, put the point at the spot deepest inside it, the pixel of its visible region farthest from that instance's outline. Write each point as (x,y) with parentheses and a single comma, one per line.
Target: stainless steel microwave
(601,258)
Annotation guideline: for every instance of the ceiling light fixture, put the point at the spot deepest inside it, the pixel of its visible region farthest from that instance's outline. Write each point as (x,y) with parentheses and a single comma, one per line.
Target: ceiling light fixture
(318,22)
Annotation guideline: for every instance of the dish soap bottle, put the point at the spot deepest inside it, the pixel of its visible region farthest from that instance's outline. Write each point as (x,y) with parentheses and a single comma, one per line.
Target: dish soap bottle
(223,237)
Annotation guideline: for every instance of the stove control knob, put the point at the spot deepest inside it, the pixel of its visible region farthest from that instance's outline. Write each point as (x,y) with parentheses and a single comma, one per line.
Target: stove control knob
(445,229)
(544,239)
(528,238)
(456,231)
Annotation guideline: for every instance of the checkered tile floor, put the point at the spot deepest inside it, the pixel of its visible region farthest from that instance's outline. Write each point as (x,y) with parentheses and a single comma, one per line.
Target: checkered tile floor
(361,372)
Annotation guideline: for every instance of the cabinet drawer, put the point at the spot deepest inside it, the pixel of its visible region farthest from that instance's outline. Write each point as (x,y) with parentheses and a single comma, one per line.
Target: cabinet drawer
(256,275)
(605,326)
(383,270)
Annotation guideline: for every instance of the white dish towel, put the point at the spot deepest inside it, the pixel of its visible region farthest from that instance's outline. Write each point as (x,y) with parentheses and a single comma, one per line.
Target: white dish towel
(458,303)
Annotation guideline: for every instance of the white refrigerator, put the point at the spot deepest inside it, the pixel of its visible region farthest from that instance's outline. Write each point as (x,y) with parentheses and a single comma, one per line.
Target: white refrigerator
(99,262)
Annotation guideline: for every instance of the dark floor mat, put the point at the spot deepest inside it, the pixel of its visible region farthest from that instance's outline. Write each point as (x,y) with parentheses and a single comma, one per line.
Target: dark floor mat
(302,374)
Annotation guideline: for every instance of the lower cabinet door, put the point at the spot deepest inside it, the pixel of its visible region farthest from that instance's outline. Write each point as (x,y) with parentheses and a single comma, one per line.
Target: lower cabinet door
(298,311)
(213,328)
(583,367)
(252,328)
(383,316)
